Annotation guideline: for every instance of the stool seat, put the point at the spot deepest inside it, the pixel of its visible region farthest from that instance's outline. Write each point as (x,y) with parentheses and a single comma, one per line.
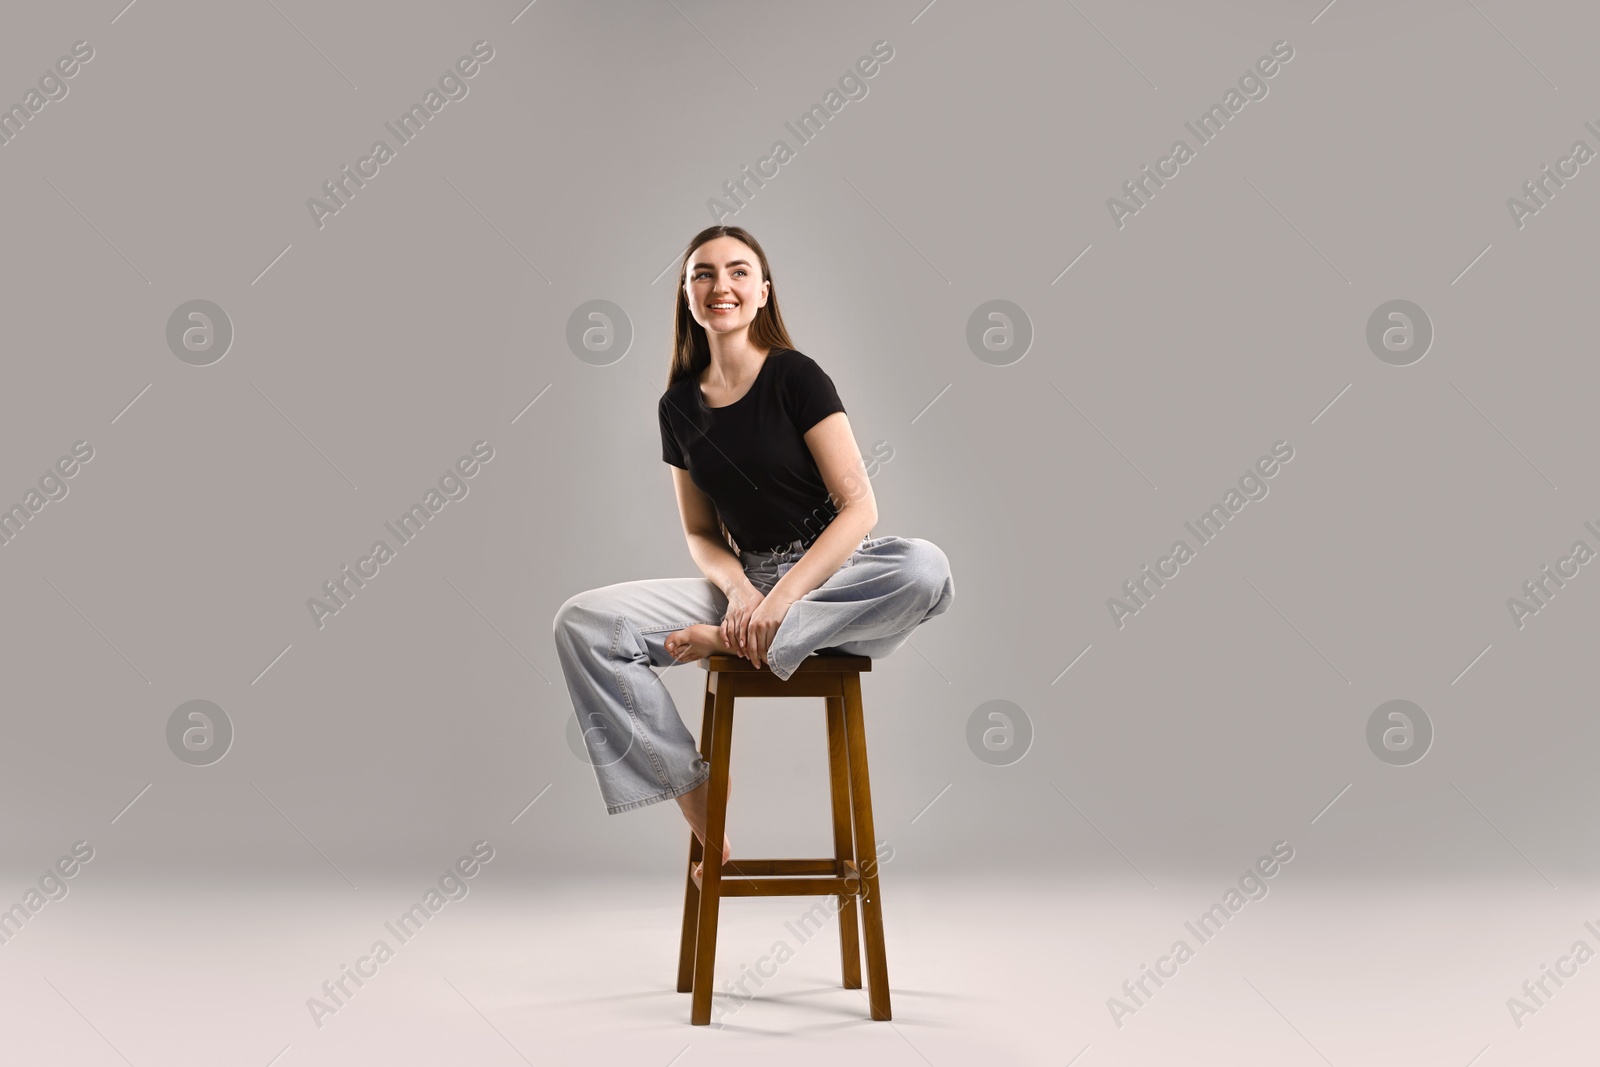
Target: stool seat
(836,662)
(850,874)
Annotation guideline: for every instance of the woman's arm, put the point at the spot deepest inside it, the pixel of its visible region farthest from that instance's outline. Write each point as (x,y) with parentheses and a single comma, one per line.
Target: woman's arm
(838,458)
(704,534)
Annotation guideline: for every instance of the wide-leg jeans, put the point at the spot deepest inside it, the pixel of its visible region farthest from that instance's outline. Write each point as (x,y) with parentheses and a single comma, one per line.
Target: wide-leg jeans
(610,640)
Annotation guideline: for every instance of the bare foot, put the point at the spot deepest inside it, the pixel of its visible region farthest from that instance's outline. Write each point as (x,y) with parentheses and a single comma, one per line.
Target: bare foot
(725,859)
(697,642)
(693,805)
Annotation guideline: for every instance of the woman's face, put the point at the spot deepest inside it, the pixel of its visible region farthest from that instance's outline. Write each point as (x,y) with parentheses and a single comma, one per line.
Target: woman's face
(724,285)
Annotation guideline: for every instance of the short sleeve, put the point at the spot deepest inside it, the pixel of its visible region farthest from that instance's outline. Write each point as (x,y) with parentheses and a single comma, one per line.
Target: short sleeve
(671,451)
(811,396)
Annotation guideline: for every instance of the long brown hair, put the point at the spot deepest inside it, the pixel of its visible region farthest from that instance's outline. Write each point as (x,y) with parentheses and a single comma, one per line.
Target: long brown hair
(691,353)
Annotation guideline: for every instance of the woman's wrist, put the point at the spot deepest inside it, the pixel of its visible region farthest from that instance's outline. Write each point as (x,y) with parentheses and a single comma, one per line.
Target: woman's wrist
(780,595)
(742,586)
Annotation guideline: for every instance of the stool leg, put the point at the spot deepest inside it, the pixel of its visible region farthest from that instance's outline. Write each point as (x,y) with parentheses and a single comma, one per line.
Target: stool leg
(866,850)
(691,892)
(711,869)
(843,845)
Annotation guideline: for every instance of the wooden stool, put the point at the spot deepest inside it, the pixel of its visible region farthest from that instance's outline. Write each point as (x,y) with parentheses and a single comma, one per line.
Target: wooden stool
(851,872)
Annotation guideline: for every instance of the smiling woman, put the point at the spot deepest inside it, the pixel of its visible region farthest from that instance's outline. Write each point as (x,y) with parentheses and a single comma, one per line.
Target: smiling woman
(777,510)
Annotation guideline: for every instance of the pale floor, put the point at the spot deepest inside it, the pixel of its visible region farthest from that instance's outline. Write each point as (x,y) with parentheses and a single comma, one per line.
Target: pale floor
(992,971)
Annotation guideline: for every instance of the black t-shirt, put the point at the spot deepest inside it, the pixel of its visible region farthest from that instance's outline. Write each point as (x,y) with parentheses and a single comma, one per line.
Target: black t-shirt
(750,457)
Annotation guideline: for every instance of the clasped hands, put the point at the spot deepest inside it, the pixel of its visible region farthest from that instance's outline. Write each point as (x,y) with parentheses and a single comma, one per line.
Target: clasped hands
(752,620)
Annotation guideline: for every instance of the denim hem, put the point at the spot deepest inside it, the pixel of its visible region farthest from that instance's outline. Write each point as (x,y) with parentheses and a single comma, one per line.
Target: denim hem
(775,663)
(777,668)
(671,794)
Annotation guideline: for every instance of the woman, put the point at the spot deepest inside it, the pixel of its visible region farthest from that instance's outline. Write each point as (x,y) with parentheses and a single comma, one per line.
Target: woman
(777,509)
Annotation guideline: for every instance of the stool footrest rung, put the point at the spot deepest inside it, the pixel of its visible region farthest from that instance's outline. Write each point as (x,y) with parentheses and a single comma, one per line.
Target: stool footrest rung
(773,878)
(763,868)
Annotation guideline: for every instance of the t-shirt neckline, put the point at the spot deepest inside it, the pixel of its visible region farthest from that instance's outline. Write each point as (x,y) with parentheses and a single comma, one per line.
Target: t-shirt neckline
(701,399)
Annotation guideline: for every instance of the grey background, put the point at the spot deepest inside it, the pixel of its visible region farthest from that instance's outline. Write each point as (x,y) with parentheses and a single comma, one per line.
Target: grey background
(429,313)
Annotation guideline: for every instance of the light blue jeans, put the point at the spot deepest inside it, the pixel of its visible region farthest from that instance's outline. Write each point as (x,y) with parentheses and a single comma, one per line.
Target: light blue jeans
(610,639)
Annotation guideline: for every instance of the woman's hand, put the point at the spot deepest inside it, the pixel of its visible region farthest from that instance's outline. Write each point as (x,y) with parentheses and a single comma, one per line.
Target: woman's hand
(763,626)
(742,602)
